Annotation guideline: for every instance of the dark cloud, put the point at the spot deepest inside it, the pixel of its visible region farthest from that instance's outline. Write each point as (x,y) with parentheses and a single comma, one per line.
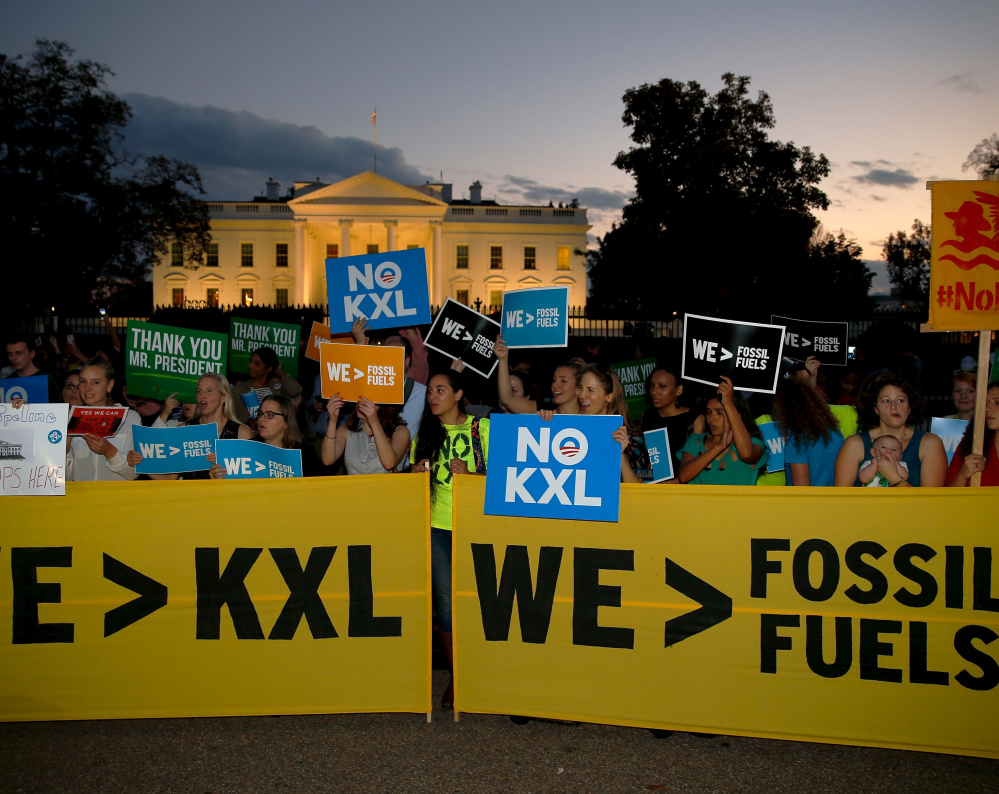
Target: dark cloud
(963,83)
(237,151)
(898,177)
(528,191)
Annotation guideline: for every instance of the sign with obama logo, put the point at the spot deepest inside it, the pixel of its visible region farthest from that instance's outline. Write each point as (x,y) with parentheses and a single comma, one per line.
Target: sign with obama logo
(389,290)
(748,353)
(569,467)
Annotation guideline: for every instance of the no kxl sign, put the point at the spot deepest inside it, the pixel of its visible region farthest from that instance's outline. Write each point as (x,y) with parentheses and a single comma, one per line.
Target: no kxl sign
(569,467)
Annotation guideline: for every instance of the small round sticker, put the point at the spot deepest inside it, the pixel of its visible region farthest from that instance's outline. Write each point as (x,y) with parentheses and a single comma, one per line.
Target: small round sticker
(55,436)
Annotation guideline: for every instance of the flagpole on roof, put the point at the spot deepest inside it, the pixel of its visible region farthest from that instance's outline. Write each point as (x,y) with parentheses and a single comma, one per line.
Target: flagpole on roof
(374,121)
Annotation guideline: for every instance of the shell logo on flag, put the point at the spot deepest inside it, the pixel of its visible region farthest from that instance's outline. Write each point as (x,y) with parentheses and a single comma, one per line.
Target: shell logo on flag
(964,272)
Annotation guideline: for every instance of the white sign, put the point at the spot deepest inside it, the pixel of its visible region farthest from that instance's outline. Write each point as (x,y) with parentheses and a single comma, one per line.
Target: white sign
(33,449)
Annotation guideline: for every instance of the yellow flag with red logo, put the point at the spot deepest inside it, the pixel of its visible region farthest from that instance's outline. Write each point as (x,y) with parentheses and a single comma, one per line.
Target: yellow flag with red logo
(964,270)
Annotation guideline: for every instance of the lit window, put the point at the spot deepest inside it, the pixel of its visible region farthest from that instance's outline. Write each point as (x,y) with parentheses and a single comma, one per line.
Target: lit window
(281,298)
(176,255)
(461,296)
(246,254)
(496,257)
(246,297)
(495,299)
(213,255)
(563,257)
(461,257)
(372,248)
(178,297)
(212,297)
(411,246)
(530,257)
(332,250)
(281,254)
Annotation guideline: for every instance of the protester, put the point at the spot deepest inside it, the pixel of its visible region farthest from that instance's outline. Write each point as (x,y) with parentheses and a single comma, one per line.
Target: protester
(732,452)
(276,425)
(167,418)
(266,378)
(601,393)
(91,457)
(663,390)
(214,404)
(965,462)
(21,355)
(565,383)
(811,433)
(71,388)
(374,439)
(449,442)
(889,405)
(963,394)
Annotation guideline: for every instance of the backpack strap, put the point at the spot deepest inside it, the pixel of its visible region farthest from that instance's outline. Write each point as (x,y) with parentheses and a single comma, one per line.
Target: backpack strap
(480,461)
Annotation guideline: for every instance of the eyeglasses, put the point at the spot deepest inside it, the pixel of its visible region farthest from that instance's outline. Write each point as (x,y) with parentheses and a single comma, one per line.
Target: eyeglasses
(72,387)
(270,414)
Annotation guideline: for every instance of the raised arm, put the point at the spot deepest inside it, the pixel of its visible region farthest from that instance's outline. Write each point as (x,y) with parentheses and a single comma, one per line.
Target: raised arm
(511,403)
(748,451)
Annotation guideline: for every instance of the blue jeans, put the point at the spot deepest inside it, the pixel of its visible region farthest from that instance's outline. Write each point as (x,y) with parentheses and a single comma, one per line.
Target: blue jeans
(440,575)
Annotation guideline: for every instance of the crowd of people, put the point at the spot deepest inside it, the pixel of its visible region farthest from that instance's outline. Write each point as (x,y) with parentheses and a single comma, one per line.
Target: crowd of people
(841,430)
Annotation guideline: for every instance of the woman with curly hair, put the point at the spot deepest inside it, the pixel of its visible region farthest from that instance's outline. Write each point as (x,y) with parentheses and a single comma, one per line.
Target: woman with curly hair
(889,405)
(811,431)
(732,452)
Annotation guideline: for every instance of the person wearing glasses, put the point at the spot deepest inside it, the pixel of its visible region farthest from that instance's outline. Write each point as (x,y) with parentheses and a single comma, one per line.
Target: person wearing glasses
(71,388)
(277,426)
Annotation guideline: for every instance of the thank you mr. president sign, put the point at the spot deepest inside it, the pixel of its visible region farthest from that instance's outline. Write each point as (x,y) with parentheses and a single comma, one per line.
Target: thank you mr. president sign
(748,353)
(390,290)
(569,467)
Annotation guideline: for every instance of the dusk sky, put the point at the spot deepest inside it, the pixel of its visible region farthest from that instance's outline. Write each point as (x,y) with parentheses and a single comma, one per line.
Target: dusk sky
(526,97)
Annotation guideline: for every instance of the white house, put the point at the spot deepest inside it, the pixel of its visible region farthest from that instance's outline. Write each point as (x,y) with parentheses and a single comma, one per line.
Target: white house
(271,250)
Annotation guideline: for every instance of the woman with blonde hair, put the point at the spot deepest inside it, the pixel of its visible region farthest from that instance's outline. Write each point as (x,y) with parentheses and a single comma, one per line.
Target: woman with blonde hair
(601,393)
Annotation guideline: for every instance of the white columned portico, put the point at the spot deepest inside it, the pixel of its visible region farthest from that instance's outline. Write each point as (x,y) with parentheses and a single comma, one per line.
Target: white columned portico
(390,227)
(300,285)
(345,225)
(435,271)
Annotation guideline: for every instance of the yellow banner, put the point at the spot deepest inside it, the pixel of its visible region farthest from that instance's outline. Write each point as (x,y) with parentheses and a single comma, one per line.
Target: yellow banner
(964,274)
(816,614)
(174,599)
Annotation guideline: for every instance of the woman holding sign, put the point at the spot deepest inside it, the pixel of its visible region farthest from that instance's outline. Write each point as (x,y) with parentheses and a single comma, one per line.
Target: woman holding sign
(449,442)
(95,458)
(565,384)
(266,379)
(374,439)
(732,452)
(965,462)
(889,405)
(214,403)
(600,393)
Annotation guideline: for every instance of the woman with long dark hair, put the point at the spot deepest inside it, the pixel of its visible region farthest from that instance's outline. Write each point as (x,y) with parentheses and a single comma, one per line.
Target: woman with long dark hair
(732,452)
(449,442)
(965,462)
(266,379)
(890,405)
(811,433)
(663,390)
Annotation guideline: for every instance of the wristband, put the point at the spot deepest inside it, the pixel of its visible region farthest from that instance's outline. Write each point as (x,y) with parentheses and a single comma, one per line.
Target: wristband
(896,484)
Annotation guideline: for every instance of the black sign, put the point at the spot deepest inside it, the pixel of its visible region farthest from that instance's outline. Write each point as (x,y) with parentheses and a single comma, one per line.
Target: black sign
(748,353)
(804,338)
(460,332)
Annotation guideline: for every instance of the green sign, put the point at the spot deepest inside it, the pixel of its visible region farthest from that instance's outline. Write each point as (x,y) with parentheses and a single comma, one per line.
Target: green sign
(633,375)
(246,335)
(162,360)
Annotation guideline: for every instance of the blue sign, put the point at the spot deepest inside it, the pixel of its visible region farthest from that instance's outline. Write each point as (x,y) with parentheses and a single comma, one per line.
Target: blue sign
(33,389)
(391,290)
(536,317)
(775,446)
(951,431)
(173,450)
(660,456)
(252,403)
(255,460)
(569,467)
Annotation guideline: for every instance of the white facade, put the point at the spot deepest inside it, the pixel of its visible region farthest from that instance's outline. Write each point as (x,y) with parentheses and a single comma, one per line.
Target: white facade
(274,251)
